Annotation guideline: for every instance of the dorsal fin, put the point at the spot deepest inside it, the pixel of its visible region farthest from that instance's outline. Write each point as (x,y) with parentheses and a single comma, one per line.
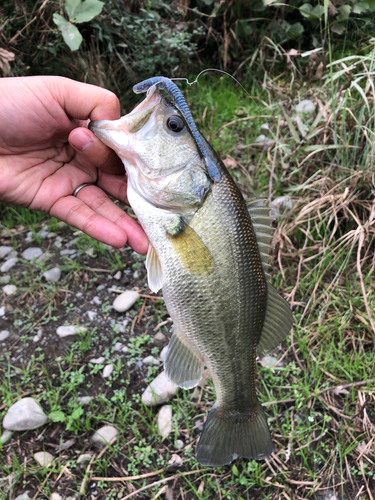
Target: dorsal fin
(262,224)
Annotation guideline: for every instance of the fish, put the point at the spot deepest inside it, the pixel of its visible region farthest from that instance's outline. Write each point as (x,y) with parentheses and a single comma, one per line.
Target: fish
(209,253)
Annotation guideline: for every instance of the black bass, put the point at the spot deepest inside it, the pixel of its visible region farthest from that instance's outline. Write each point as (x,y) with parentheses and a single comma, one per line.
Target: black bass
(209,252)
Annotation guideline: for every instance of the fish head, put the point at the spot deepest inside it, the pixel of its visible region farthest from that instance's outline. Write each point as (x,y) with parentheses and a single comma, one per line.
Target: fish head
(159,153)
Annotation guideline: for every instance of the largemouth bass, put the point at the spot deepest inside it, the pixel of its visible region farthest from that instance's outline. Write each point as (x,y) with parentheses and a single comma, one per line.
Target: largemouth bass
(209,252)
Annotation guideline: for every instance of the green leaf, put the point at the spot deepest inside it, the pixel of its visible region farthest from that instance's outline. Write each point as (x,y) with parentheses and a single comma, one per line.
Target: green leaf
(338,28)
(234,470)
(57,416)
(83,11)
(295,30)
(344,12)
(70,33)
(360,7)
(78,412)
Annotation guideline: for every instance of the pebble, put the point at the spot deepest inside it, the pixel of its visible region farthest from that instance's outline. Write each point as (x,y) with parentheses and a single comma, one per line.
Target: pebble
(108,370)
(165,420)
(43,458)
(269,361)
(117,276)
(175,459)
(136,275)
(262,139)
(56,496)
(85,457)
(23,496)
(198,423)
(265,127)
(179,444)
(67,252)
(139,364)
(104,435)
(305,106)
(159,391)
(4,251)
(58,242)
(2,311)
(97,361)
(125,301)
(5,436)
(4,334)
(164,353)
(119,347)
(44,257)
(24,415)
(79,294)
(97,301)
(32,253)
(85,400)
(150,360)
(5,279)
(160,337)
(91,315)
(53,274)
(90,252)
(9,289)
(8,264)
(64,331)
(282,203)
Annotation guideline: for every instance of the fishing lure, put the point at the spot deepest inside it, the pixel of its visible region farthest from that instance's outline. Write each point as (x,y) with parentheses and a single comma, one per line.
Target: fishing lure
(171,88)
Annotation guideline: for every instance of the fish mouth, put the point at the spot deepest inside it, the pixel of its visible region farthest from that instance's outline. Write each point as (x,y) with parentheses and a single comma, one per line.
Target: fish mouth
(117,133)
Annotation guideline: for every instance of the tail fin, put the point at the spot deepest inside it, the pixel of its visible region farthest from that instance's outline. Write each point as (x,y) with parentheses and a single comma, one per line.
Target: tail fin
(224,438)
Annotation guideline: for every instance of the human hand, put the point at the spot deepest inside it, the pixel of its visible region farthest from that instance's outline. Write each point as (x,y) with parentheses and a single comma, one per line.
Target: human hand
(46,152)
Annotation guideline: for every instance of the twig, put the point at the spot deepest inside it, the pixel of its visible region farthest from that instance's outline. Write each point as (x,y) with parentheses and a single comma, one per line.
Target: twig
(127,478)
(162,324)
(141,311)
(240,120)
(359,268)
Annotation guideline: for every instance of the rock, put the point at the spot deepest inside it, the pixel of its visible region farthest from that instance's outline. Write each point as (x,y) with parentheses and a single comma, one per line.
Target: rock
(44,257)
(104,435)
(108,370)
(117,276)
(97,301)
(175,460)
(150,360)
(125,301)
(85,457)
(32,253)
(56,496)
(198,423)
(139,364)
(164,353)
(2,311)
(91,315)
(5,279)
(23,496)
(262,139)
(281,203)
(4,334)
(53,274)
(265,127)
(85,400)
(269,361)
(67,252)
(90,252)
(64,331)
(160,337)
(9,289)
(43,458)
(305,106)
(38,336)
(4,251)
(136,275)
(97,361)
(8,264)
(5,436)
(24,415)
(165,420)
(179,444)
(159,391)
(58,242)
(118,347)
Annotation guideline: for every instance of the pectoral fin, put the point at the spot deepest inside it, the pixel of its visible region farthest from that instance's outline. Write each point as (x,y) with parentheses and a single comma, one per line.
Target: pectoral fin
(155,275)
(182,365)
(278,321)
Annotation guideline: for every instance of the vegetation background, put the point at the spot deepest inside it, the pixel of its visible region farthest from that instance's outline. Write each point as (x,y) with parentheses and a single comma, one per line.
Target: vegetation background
(314,161)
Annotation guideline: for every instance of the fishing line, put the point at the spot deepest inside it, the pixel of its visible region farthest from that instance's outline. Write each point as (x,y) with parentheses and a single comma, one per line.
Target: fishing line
(213,69)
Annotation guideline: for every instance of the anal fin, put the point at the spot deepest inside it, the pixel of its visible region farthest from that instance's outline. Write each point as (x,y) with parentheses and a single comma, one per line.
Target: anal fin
(182,365)
(155,275)
(277,323)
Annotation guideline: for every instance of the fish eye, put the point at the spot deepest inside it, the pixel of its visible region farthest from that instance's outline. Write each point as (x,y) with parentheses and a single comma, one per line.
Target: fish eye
(175,123)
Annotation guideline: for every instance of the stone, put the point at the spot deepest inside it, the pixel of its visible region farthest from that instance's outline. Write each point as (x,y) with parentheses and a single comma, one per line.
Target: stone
(9,289)
(164,353)
(268,361)
(265,127)
(32,253)
(281,203)
(53,274)
(97,300)
(90,252)
(97,361)
(159,391)
(150,360)
(175,459)
(262,139)
(125,301)
(44,257)
(65,331)
(5,279)
(108,370)
(160,337)
(118,347)
(2,311)
(179,444)
(24,415)
(165,420)
(85,457)
(91,315)
(4,251)
(305,106)
(104,435)
(43,458)
(56,496)
(8,264)
(67,252)
(4,334)
(5,436)
(85,400)
(117,276)
(23,496)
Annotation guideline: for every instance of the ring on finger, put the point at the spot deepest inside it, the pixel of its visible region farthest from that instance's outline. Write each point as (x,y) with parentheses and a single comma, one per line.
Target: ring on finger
(81,186)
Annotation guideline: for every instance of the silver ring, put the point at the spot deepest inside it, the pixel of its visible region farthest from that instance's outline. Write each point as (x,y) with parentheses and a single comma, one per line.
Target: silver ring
(78,189)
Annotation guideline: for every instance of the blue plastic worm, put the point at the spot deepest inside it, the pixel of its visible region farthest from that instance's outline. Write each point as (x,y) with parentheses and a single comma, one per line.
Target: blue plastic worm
(171,88)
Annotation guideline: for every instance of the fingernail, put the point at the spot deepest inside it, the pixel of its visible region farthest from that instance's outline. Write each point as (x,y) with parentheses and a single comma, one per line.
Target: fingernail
(81,142)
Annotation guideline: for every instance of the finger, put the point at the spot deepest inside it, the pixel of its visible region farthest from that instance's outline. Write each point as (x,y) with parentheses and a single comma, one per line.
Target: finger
(92,152)
(114,185)
(82,101)
(99,202)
